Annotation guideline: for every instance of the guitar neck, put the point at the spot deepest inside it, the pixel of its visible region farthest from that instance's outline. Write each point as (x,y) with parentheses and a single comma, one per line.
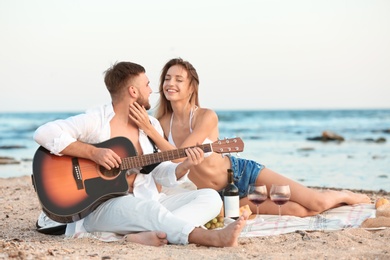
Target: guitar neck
(152,158)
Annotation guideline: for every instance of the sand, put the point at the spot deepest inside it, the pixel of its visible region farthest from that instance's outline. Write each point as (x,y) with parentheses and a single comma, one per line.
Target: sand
(19,239)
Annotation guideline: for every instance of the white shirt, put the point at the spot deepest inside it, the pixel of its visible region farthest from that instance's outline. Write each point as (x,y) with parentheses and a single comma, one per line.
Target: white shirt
(94,127)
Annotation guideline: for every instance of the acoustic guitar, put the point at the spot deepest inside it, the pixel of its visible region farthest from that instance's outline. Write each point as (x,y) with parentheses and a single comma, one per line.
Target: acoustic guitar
(70,188)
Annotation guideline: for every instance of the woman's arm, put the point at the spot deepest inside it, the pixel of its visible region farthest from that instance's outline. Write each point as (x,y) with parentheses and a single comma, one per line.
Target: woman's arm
(140,116)
(204,127)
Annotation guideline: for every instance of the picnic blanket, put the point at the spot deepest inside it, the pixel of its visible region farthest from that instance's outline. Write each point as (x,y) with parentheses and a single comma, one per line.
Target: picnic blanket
(330,220)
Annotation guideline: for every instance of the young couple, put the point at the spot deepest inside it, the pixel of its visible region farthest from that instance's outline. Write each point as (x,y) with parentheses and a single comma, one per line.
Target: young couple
(146,215)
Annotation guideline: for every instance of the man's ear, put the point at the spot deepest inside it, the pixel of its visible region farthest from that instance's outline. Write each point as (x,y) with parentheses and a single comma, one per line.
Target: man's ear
(133,91)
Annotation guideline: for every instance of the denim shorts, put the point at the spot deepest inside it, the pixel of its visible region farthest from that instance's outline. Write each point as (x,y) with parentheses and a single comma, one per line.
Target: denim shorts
(245,172)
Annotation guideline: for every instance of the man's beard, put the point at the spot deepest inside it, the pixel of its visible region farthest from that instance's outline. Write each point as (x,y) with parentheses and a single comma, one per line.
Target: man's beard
(144,102)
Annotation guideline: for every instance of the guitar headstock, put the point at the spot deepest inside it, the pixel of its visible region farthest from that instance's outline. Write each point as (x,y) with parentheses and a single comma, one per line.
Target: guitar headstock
(231,145)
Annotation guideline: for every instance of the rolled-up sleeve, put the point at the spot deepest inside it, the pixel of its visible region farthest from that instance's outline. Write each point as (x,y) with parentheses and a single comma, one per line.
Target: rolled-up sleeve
(52,137)
(57,135)
(165,174)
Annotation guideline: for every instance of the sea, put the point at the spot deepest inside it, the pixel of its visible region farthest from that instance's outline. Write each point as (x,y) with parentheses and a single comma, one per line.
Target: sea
(282,140)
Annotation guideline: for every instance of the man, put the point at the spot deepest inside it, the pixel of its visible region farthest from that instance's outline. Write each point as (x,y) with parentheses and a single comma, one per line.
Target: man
(144,215)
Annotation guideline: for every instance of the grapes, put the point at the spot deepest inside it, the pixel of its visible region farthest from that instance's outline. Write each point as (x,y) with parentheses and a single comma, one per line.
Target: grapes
(217,222)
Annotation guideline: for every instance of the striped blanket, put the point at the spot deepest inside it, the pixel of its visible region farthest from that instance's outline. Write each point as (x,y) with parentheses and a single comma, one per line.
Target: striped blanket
(333,219)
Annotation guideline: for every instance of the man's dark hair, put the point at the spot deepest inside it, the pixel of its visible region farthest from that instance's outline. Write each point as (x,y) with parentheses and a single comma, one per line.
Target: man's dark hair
(120,74)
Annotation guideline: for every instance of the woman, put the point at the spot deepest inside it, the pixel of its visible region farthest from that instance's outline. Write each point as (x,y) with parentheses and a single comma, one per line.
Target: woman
(186,124)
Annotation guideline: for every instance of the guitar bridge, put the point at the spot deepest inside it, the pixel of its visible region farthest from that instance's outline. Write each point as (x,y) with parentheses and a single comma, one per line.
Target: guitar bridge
(77,174)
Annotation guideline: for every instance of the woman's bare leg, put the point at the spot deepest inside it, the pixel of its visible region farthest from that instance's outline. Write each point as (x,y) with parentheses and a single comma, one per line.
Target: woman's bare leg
(304,201)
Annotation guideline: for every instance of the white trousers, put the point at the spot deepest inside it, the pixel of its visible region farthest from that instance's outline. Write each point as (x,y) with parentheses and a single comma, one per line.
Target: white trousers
(177,215)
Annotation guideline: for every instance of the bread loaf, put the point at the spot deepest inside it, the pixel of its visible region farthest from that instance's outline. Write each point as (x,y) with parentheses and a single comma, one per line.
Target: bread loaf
(376,222)
(383,210)
(381,201)
(246,208)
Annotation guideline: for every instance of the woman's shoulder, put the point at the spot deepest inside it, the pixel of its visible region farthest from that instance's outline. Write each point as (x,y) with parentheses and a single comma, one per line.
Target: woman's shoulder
(205,118)
(207,123)
(207,113)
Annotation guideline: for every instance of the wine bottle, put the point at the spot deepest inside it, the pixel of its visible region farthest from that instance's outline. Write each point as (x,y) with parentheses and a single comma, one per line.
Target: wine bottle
(231,200)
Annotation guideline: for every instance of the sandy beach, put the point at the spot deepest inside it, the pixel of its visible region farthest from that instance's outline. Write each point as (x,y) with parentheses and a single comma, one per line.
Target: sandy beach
(20,240)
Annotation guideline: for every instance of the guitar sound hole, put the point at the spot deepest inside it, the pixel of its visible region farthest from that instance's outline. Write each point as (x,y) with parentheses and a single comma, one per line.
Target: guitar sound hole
(109,173)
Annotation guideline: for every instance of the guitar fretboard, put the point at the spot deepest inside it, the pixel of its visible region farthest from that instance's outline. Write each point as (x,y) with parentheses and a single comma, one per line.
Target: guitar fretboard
(152,158)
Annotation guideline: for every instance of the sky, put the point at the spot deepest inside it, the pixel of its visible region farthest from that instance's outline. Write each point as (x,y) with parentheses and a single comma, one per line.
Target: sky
(257,54)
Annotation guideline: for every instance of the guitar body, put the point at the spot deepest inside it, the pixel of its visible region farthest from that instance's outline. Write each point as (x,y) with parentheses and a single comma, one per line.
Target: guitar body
(70,188)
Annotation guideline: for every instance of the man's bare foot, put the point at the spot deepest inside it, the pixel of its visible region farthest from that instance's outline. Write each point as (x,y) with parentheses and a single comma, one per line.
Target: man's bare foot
(228,236)
(149,238)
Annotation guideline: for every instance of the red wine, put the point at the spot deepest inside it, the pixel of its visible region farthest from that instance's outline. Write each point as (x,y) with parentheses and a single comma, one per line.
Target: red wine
(279,199)
(257,200)
(231,199)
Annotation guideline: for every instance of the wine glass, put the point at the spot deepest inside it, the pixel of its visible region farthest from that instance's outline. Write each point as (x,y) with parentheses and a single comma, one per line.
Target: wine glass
(280,194)
(257,194)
